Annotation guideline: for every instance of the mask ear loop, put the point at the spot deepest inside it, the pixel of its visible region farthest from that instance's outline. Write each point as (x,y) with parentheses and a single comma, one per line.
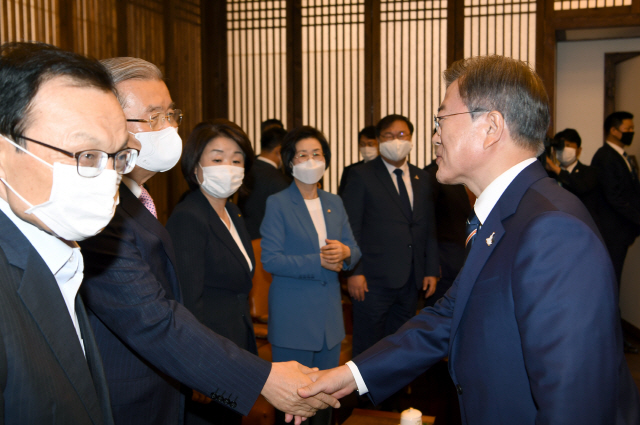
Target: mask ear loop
(27,152)
(17,194)
(196,173)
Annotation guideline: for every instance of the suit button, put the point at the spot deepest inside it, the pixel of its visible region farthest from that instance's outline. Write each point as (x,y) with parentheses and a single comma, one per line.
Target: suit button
(459,389)
(233,404)
(410,246)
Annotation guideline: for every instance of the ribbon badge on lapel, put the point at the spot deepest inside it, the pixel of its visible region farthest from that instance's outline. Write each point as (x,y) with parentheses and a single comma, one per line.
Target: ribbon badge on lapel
(490,239)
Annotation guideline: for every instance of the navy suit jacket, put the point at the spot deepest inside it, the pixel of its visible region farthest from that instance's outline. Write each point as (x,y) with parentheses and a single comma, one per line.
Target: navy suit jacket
(44,376)
(305,305)
(391,242)
(148,340)
(531,324)
(619,205)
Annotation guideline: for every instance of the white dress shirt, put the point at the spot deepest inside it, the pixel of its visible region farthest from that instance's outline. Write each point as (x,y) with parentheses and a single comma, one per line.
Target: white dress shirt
(406,177)
(268,161)
(133,186)
(483,206)
(621,152)
(236,237)
(64,262)
(315,210)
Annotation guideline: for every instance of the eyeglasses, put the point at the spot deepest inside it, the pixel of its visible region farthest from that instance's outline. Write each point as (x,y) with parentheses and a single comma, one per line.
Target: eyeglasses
(303,156)
(387,137)
(436,119)
(156,121)
(91,163)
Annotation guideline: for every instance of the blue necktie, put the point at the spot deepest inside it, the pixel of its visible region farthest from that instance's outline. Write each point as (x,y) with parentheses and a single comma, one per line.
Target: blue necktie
(404,195)
(473,225)
(634,172)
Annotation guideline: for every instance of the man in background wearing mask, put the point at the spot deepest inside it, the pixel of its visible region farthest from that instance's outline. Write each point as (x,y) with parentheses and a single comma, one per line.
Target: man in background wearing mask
(368,147)
(62,150)
(573,175)
(150,342)
(390,208)
(619,203)
(265,178)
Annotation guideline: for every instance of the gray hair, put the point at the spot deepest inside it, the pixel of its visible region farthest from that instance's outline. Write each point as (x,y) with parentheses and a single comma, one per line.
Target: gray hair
(509,86)
(128,68)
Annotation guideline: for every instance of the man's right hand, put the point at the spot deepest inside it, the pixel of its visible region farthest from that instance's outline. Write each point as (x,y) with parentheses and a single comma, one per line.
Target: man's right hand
(281,387)
(357,286)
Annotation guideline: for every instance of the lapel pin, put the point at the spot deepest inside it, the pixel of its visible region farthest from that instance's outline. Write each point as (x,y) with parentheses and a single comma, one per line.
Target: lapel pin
(239,215)
(328,211)
(417,178)
(490,239)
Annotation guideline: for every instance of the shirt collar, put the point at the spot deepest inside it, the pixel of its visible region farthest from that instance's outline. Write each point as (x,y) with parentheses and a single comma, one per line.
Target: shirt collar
(616,147)
(490,196)
(53,250)
(132,185)
(571,167)
(391,168)
(268,161)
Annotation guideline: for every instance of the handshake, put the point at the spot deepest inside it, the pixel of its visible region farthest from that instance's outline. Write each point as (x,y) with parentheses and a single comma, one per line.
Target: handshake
(300,391)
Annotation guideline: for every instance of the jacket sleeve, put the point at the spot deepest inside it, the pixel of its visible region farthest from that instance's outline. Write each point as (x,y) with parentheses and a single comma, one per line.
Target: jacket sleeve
(122,291)
(349,240)
(353,197)
(579,183)
(275,230)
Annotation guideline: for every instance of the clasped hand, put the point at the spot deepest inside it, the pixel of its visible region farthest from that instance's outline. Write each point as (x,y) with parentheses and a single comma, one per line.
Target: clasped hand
(333,254)
(281,391)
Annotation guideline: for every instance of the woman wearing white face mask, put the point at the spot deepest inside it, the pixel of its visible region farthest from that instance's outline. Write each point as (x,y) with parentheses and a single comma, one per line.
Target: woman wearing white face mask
(214,257)
(306,241)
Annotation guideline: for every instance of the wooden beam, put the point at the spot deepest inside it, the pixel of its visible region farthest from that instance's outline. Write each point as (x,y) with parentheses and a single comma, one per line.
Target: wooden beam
(455,31)
(294,63)
(546,52)
(122,28)
(215,78)
(609,17)
(372,62)
(65,13)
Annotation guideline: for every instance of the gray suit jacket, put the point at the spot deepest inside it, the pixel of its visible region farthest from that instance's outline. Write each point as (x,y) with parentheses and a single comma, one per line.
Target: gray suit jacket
(44,376)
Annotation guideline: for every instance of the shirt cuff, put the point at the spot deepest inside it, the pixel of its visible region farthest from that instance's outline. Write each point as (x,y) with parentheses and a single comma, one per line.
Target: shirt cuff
(362,387)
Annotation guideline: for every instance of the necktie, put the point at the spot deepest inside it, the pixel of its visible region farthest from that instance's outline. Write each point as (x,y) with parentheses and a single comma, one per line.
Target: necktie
(404,195)
(473,225)
(147,201)
(634,172)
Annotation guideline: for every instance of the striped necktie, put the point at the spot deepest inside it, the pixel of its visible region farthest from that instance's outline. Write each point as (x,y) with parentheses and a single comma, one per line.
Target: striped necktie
(473,225)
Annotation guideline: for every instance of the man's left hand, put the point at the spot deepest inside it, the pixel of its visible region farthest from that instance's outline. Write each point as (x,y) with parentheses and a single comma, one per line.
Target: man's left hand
(429,285)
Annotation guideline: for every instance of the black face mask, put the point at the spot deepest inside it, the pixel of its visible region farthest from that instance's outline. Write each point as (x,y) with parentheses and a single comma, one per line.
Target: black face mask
(627,137)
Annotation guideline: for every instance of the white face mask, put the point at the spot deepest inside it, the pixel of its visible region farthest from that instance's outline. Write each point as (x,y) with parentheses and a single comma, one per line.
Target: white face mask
(368,153)
(309,172)
(78,207)
(160,150)
(396,150)
(221,181)
(566,156)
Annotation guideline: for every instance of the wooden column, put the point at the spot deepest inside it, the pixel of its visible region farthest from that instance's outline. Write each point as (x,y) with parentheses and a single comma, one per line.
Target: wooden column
(294,63)
(372,62)
(215,80)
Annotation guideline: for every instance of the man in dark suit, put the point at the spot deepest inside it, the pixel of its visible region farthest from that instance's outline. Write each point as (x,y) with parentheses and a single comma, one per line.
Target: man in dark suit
(368,148)
(390,209)
(531,324)
(58,112)
(573,175)
(265,178)
(149,341)
(619,204)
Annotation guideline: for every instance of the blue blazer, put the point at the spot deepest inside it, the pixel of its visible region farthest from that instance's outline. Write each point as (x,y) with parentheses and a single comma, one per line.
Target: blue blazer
(531,324)
(304,299)
(44,376)
(150,343)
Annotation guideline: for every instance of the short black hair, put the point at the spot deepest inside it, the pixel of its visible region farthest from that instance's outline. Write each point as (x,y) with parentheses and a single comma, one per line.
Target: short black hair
(369,132)
(615,119)
(201,135)
(270,123)
(292,139)
(272,138)
(25,66)
(387,121)
(568,135)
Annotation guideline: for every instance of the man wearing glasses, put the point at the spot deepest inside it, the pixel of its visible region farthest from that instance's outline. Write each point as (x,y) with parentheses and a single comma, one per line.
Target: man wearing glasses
(62,153)
(150,343)
(390,209)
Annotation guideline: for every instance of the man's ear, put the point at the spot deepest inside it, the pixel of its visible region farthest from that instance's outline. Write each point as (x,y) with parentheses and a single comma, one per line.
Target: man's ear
(494,122)
(578,152)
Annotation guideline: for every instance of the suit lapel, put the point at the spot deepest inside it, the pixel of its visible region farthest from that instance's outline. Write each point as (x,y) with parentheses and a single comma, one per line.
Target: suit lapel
(383,175)
(41,296)
(331,218)
(417,187)
(489,236)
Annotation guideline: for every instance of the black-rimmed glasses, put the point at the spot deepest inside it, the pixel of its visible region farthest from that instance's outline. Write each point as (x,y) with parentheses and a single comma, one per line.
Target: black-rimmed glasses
(91,163)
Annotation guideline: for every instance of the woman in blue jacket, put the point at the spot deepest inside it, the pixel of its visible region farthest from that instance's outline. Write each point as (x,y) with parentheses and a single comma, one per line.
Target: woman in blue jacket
(306,241)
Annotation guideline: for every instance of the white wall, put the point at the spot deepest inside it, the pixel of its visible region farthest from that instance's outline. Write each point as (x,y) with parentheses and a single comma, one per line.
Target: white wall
(580,105)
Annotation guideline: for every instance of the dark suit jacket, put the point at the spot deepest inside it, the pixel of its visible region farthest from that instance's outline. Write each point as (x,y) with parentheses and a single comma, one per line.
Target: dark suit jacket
(215,275)
(582,181)
(44,376)
(619,205)
(391,243)
(146,337)
(532,334)
(345,175)
(263,181)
